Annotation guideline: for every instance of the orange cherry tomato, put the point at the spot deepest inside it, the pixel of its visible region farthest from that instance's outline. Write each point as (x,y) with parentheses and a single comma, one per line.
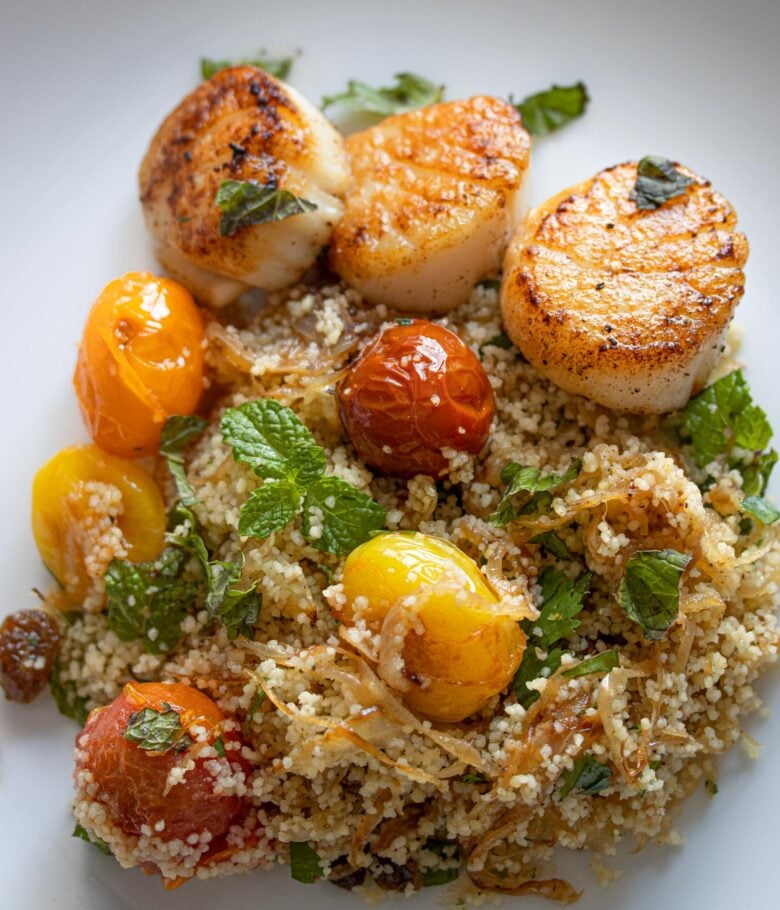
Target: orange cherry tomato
(67,518)
(140,360)
(415,389)
(132,781)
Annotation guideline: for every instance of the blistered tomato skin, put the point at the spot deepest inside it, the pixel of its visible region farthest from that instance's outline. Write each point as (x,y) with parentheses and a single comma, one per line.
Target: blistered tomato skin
(132,782)
(65,514)
(457,650)
(414,390)
(140,360)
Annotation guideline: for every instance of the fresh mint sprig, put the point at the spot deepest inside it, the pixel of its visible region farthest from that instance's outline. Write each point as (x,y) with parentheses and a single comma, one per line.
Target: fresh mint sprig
(537,487)
(247,202)
(409,92)
(650,590)
(547,111)
(178,432)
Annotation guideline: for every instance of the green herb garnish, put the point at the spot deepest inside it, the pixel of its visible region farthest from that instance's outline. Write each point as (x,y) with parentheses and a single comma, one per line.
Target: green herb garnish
(760,509)
(149,600)
(587,777)
(756,473)
(81,831)
(219,746)
(657,181)
(537,487)
(490,284)
(257,700)
(433,877)
(497,341)
(67,699)
(279,67)
(562,600)
(177,433)
(155,731)
(711,787)
(553,544)
(598,663)
(336,516)
(472,778)
(247,202)
(409,92)
(650,590)
(545,112)
(305,865)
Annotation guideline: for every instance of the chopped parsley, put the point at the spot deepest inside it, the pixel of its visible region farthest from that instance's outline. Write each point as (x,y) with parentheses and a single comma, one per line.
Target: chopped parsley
(177,433)
(598,663)
(409,92)
(650,590)
(657,181)
(587,778)
(336,516)
(81,831)
(155,731)
(305,865)
(562,601)
(247,202)
(547,111)
(278,67)
(536,489)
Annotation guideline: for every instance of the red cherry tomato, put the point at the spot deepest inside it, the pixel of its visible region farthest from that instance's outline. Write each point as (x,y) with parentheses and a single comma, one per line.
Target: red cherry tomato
(132,781)
(415,389)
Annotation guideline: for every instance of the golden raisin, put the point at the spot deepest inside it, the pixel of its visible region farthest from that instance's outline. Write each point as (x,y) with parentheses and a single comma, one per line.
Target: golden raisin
(29,640)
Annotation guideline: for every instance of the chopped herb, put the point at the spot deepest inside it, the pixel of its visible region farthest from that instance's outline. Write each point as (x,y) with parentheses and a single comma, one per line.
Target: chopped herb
(336,516)
(655,764)
(598,663)
(410,91)
(490,284)
(497,341)
(67,699)
(562,600)
(149,600)
(711,787)
(247,202)
(650,590)
(305,865)
(155,731)
(219,746)
(404,320)
(472,778)
(327,571)
(756,474)
(81,831)
(539,487)
(177,432)
(239,612)
(279,68)
(657,181)
(257,700)
(433,877)
(760,509)
(545,112)
(553,543)
(588,777)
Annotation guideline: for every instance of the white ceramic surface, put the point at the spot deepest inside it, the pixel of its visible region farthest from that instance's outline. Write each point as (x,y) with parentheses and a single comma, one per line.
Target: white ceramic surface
(83,87)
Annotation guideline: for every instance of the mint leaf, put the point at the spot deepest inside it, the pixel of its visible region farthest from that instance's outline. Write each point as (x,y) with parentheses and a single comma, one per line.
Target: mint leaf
(305,865)
(433,877)
(154,731)
(81,831)
(587,777)
(239,611)
(756,474)
(149,600)
(711,787)
(492,284)
(409,92)
(761,509)
(337,517)
(598,663)
(545,112)
(177,433)
(657,181)
(266,435)
(553,544)
(471,778)
(247,202)
(269,508)
(562,601)
(257,700)
(67,700)
(497,341)
(518,479)
(650,590)
(279,67)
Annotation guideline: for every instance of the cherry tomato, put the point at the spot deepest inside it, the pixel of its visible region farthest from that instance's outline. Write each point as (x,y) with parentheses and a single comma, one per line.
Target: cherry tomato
(66,518)
(132,781)
(140,360)
(415,389)
(460,652)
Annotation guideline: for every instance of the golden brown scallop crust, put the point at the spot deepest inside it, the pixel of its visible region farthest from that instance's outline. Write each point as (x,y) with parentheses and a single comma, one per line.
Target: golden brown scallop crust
(239,125)
(422,179)
(605,298)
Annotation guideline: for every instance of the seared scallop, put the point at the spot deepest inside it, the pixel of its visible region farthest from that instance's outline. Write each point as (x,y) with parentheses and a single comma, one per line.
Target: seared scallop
(241,125)
(625,306)
(436,194)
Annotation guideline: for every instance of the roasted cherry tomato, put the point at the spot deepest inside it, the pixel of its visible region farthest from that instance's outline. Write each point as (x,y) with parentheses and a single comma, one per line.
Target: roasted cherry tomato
(140,360)
(68,513)
(457,652)
(162,783)
(414,390)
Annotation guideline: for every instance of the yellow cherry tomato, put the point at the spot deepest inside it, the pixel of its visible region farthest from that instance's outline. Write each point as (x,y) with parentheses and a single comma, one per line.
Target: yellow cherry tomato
(140,360)
(459,652)
(69,514)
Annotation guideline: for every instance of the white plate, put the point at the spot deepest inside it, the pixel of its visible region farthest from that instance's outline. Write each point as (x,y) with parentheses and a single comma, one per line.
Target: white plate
(84,86)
